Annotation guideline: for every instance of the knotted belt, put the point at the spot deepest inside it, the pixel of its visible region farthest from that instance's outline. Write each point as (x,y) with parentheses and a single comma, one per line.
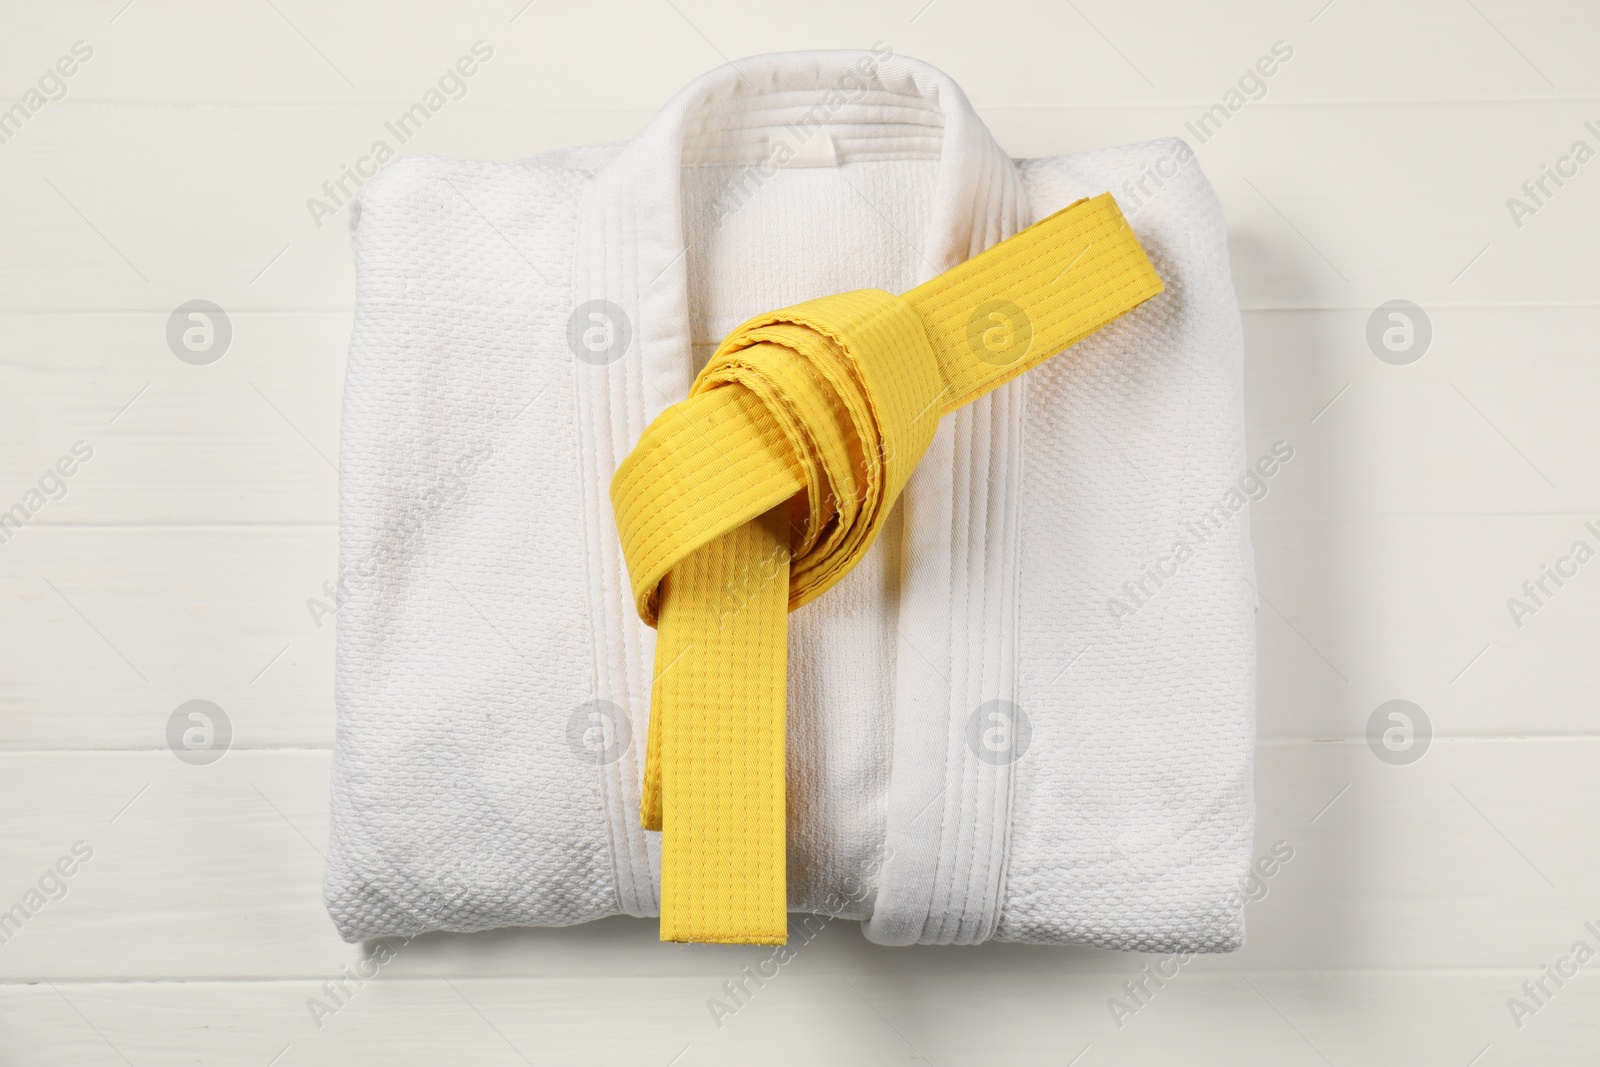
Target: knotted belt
(771,481)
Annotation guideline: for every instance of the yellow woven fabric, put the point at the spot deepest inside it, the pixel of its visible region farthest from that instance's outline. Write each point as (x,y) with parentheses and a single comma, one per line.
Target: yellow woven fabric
(770,482)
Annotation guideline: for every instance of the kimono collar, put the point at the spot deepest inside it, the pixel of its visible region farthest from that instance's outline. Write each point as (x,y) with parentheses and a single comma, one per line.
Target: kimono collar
(814,108)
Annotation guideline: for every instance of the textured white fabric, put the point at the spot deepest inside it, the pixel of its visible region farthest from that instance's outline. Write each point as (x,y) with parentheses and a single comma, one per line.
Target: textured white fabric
(493,682)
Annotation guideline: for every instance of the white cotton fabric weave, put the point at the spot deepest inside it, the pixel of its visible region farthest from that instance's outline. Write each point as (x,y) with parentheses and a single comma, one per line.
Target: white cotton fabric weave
(982,743)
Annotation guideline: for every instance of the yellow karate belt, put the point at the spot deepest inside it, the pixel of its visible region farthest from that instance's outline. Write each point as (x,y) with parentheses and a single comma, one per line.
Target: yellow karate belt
(763,488)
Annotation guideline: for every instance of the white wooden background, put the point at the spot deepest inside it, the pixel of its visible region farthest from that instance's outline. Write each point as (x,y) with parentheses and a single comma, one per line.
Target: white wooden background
(178,565)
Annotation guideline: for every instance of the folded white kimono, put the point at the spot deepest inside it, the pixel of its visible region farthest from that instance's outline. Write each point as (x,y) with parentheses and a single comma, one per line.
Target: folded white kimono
(1027,715)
